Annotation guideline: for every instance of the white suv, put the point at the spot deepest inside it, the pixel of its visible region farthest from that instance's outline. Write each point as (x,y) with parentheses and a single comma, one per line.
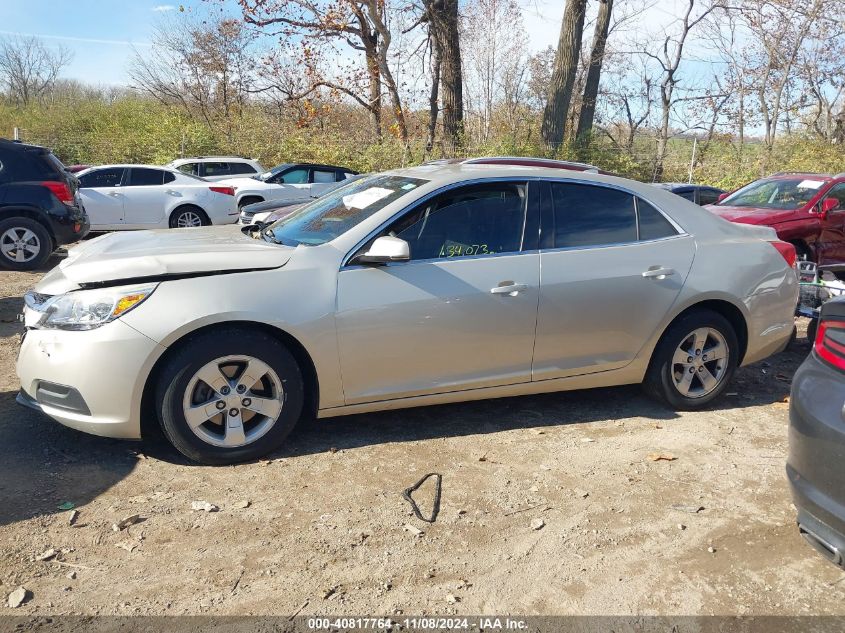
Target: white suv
(218,167)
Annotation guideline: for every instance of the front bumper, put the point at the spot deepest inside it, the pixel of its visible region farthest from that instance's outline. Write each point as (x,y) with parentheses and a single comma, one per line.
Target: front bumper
(816,455)
(104,369)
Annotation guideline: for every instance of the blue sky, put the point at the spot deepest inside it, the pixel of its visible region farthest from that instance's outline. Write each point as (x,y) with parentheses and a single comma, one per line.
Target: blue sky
(102,33)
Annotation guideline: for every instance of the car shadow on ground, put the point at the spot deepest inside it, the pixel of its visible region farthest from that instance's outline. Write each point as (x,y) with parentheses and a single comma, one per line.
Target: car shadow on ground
(757,385)
(44,465)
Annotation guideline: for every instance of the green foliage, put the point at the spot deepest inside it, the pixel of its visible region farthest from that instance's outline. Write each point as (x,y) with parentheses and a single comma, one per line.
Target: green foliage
(134,129)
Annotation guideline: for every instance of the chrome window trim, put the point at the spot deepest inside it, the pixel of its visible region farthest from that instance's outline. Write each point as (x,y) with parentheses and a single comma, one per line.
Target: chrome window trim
(444,260)
(454,185)
(603,246)
(578,181)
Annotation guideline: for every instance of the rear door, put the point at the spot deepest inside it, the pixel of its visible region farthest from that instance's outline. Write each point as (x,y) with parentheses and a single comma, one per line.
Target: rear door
(145,197)
(102,196)
(611,267)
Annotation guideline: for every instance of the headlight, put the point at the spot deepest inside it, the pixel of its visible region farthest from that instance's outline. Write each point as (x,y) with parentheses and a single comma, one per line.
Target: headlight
(89,309)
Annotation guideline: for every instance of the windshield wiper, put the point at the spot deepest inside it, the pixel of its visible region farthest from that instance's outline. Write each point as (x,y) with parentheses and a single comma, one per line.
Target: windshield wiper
(269,236)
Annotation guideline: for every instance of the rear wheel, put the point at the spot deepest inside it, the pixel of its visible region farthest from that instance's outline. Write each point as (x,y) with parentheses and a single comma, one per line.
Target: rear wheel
(188,217)
(694,361)
(24,244)
(248,200)
(229,396)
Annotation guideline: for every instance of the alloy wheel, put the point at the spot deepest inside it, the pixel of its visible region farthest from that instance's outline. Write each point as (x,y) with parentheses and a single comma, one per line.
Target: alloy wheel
(700,363)
(188,219)
(233,401)
(19,244)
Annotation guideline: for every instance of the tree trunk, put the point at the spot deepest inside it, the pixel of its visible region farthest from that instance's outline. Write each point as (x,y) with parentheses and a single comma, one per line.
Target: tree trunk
(443,21)
(374,76)
(433,100)
(591,84)
(563,75)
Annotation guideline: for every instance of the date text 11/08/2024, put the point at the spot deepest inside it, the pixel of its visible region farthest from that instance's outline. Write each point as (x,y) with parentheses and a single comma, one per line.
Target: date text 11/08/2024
(419,623)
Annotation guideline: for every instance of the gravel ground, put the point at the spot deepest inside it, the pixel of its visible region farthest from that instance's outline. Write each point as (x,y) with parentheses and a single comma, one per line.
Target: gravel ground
(321,526)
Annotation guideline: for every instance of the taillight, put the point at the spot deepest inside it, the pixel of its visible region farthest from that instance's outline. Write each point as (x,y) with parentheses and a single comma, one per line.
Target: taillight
(226,191)
(60,190)
(830,343)
(787,250)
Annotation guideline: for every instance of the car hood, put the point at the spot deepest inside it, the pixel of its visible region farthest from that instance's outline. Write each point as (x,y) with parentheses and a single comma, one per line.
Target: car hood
(138,255)
(752,215)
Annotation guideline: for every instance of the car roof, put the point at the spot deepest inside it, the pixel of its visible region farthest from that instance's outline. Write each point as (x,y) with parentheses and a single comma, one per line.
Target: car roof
(782,175)
(129,165)
(10,143)
(210,158)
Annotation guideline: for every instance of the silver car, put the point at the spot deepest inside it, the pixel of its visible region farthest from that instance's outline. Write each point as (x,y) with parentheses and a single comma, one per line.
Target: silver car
(420,286)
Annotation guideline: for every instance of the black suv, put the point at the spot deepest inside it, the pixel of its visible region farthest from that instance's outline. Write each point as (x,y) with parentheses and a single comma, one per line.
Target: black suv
(39,206)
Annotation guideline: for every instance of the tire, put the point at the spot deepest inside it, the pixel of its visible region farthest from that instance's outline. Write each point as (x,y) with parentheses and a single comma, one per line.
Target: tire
(180,389)
(248,200)
(660,380)
(188,216)
(812,328)
(24,244)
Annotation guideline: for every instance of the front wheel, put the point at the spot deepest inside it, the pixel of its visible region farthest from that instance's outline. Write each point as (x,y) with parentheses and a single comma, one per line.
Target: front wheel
(229,396)
(694,361)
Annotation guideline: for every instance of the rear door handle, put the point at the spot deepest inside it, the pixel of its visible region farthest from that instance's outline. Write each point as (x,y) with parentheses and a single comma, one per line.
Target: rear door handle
(658,272)
(114,194)
(508,288)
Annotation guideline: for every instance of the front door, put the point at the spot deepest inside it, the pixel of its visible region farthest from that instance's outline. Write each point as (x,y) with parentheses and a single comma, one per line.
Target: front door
(102,197)
(611,269)
(459,315)
(831,245)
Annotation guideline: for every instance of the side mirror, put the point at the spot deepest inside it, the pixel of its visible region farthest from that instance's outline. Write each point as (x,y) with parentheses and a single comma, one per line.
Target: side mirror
(828,205)
(384,250)
(722,196)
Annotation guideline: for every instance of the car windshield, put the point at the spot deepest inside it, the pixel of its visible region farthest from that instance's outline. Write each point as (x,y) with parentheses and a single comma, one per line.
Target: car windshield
(335,213)
(775,193)
(269,174)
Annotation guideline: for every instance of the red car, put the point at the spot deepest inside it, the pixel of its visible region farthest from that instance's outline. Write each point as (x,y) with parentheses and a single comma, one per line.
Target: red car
(807,210)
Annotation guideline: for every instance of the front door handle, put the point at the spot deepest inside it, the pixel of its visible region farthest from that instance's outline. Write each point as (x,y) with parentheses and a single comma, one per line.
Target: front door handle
(658,272)
(508,288)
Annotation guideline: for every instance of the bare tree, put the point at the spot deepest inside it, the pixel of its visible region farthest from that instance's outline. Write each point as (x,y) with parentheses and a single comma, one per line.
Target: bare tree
(29,69)
(669,56)
(563,76)
(205,68)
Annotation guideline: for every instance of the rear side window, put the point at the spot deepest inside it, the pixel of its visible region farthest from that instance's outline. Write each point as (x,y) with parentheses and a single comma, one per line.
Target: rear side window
(653,225)
(708,196)
(110,177)
(686,194)
(322,176)
(241,168)
(217,169)
(168,177)
(586,215)
(142,176)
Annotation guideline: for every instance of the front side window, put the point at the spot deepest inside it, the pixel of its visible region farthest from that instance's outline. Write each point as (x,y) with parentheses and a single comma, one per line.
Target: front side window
(476,220)
(110,177)
(241,168)
(293,177)
(687,194)
(144,177)
(333,214)
(775,193)
(837,192)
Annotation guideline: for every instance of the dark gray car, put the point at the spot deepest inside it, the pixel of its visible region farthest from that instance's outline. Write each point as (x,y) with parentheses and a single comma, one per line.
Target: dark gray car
(817,437)
(699,194)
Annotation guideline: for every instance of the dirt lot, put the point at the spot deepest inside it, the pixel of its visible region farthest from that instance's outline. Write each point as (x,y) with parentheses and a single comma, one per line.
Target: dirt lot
(324,522)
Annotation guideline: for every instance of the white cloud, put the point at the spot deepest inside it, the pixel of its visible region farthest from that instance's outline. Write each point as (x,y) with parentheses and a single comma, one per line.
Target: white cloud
(163,8)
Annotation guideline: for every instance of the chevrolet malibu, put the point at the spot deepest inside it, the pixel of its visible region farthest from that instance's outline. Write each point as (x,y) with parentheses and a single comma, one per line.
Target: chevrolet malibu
(420,286)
